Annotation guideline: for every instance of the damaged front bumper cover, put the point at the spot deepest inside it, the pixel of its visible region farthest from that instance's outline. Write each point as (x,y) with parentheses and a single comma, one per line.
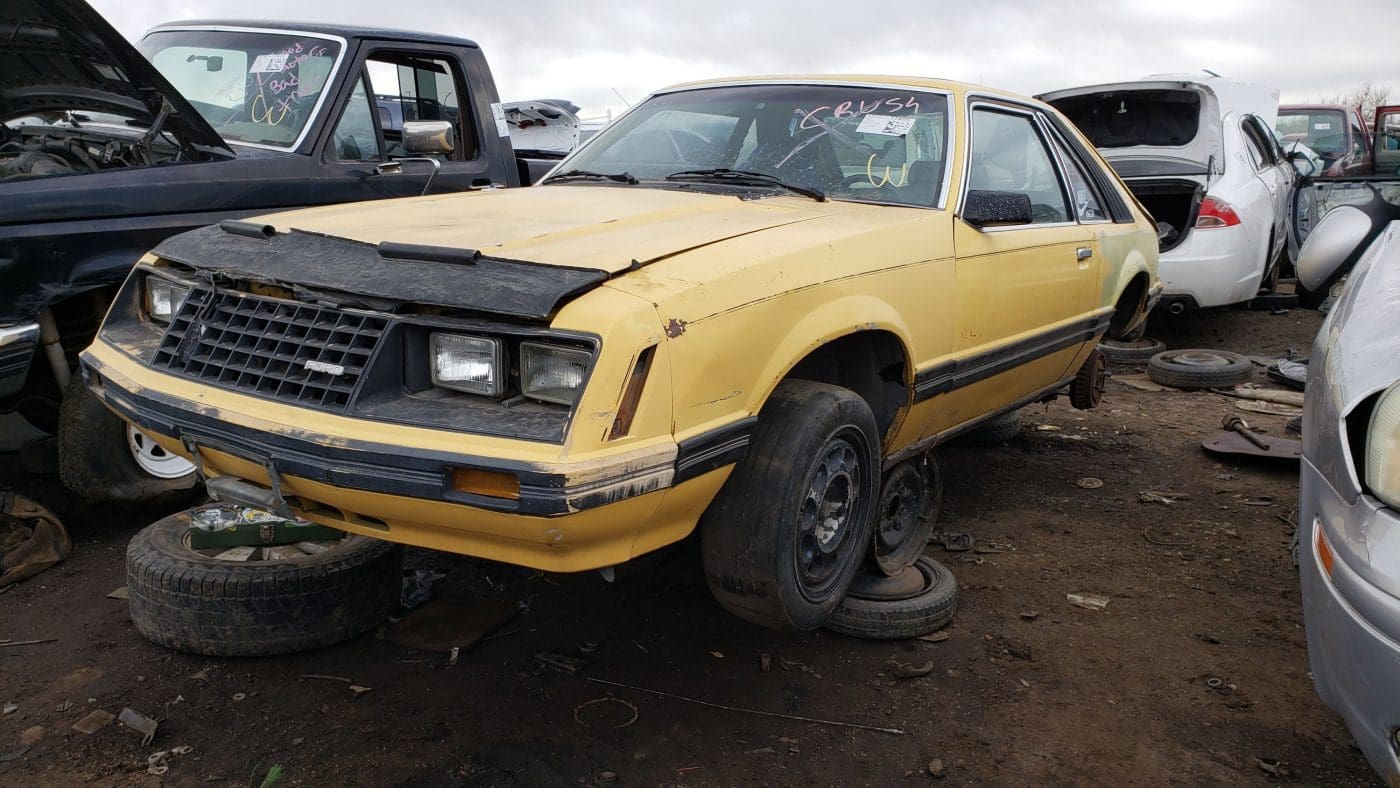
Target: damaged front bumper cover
(545,489)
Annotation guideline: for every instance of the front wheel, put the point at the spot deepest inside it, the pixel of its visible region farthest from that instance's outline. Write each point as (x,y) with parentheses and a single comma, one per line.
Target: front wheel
(784,538)
(102,458)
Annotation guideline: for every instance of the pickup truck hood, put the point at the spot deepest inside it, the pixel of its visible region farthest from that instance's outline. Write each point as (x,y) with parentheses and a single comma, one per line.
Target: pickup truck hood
(62,55)
(516,252)
(609,228)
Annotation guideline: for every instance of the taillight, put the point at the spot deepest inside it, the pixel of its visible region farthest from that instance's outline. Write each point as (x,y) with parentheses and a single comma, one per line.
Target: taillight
(1215,212)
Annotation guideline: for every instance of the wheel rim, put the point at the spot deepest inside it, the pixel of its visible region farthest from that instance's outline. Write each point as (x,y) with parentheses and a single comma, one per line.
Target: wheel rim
(830,517)
(900,526)
(913,581)
(152,458)
(1200,358)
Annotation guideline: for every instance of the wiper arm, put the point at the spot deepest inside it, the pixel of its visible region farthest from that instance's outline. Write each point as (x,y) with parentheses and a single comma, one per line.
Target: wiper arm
(619,177)
(751,176)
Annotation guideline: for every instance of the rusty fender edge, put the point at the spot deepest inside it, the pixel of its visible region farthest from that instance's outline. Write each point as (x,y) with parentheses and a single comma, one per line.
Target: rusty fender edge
(546,489)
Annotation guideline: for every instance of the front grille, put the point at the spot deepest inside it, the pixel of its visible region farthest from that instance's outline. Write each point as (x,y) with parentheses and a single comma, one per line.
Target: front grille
(263,346)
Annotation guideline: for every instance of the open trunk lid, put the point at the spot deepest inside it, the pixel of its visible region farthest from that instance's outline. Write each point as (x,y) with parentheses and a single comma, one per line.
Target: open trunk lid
(1150,128)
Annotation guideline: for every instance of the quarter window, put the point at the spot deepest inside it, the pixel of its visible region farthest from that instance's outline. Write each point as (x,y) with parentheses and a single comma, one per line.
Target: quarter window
(1087,205)
(1009,155)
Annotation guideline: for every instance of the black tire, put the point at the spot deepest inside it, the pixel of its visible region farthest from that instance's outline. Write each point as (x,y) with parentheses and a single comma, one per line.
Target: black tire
(992,432)
(1310,299)
(94,460)
(1130,351)
(896,618)
(187,601)
(1198,369)
(1270,301)
(816,450)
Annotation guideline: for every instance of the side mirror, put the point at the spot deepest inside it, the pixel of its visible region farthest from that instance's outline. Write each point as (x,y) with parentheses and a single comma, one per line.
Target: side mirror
(429,137)
(996,209)
(1331,243)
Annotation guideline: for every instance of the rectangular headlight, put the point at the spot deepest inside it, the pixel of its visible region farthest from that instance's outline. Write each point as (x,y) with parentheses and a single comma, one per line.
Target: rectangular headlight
(550,373)
(1383,449)
(163,298)
(470,364)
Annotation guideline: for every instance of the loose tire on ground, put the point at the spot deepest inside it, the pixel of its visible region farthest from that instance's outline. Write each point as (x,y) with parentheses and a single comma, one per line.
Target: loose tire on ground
(1198,369)
(1119,351)
(190,602)
(789,529)
(896,616)
(95,459)
(992,432)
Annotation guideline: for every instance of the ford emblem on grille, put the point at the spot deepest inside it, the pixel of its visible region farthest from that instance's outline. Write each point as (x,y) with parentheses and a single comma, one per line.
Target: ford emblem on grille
(322,366)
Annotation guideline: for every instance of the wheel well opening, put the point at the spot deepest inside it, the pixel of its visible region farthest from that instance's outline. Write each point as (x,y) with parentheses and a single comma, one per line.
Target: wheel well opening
(1130,303)
(870,363)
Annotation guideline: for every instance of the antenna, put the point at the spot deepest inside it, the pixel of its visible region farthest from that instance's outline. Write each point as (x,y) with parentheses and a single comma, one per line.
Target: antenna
(619,95)
(1212,73)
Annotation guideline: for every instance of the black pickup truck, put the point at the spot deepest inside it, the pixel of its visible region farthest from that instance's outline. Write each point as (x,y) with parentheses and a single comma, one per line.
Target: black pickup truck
(106,150)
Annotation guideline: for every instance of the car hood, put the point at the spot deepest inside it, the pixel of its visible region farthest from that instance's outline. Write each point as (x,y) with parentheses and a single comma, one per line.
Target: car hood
(517,252)
(62,55)
(609,228)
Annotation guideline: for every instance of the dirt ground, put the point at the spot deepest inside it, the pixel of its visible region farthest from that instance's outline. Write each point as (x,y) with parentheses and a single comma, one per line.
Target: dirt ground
(1026,689)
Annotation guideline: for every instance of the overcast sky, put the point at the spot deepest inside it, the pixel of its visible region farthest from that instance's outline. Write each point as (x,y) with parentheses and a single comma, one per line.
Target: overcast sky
(586,49)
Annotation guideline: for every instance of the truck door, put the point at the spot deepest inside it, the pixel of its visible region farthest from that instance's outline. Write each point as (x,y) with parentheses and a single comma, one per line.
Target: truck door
(1387,140)
(364,155)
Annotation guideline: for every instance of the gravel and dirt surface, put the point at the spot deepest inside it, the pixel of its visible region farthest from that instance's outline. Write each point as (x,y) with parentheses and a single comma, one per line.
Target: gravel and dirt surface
(1195,673)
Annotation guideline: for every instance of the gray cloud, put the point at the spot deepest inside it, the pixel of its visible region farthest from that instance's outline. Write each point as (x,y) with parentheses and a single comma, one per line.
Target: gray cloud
(586,49)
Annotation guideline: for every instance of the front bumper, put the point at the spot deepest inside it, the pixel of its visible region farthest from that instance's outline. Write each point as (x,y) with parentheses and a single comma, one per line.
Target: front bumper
(17,344)
(1353,627)
(570,515)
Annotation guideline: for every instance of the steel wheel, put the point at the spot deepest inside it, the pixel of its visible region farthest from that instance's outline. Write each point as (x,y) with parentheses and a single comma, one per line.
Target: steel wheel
(832,508)
(152,457)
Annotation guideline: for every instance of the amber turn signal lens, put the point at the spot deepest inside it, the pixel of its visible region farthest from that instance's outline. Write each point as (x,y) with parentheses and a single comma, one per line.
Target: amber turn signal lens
(492,484)
(1324,550)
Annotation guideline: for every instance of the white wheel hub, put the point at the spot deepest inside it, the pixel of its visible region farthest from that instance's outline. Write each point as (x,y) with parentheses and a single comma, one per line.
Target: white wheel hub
(152,457)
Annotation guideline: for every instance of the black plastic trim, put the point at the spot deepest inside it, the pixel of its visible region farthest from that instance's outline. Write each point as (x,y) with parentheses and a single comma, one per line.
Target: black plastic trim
(714,449)
(955,374)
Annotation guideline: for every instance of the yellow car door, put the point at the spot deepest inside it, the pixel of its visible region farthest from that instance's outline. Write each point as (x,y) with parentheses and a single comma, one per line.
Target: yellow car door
(1026,292)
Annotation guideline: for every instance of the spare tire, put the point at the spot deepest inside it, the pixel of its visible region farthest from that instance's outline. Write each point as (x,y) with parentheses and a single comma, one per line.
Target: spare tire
(1130,351)
(1198,369)
(190,601)
(922,599)
(993,431)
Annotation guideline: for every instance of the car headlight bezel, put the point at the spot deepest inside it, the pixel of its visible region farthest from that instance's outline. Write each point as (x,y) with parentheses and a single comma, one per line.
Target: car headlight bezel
(571,371)
(1381,457)
(161,298)
(489,349)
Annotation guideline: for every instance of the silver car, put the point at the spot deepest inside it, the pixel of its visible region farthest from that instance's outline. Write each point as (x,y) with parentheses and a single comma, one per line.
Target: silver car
(1349,509)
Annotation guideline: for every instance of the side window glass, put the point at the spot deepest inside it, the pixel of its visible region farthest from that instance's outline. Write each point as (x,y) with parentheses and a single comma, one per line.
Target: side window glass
(1087,205)
(409,86)
(1251,146)
(354,138)
(1009,155)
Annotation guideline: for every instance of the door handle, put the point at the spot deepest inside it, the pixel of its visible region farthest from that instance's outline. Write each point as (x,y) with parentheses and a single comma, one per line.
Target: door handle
(1083,253)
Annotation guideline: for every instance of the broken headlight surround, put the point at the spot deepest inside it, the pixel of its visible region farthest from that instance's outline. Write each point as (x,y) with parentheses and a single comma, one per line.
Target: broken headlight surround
(552,373)
(1382,458)
(162,297)
(470,364)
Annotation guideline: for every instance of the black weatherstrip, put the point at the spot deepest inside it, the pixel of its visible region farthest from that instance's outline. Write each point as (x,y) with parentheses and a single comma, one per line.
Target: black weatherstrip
(955,374)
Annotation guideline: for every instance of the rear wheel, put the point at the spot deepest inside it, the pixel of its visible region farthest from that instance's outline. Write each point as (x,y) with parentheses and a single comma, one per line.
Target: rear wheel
(792,524)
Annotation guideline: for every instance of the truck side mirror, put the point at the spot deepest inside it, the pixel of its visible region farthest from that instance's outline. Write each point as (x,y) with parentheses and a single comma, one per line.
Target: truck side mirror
(429,137)
(984,208)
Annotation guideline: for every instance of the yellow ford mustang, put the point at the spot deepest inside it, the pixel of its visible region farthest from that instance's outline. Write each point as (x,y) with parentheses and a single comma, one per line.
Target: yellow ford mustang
(740,306)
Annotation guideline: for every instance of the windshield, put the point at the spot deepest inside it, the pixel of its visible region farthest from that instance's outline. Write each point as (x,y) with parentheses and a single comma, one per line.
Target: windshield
(885,145)
(1322,130)
(258,88)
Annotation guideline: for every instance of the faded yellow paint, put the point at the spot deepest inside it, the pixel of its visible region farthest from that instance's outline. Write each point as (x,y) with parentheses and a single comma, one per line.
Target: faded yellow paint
(733,294)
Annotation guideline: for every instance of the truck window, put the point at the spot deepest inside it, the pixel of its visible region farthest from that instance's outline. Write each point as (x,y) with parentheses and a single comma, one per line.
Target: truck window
(414,86)
(354,138)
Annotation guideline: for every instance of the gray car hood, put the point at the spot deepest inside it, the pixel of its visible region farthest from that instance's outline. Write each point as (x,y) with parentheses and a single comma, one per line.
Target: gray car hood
(62,55)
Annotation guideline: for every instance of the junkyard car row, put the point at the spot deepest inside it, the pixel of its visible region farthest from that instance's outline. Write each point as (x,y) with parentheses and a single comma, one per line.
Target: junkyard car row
(748,309)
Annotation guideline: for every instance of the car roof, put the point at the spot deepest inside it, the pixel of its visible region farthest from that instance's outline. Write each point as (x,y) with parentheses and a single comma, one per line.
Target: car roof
(343,31)
(854,80)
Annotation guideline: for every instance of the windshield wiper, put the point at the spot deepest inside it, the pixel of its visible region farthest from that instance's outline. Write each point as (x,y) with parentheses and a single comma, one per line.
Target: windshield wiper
(620,177)
(749,176)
